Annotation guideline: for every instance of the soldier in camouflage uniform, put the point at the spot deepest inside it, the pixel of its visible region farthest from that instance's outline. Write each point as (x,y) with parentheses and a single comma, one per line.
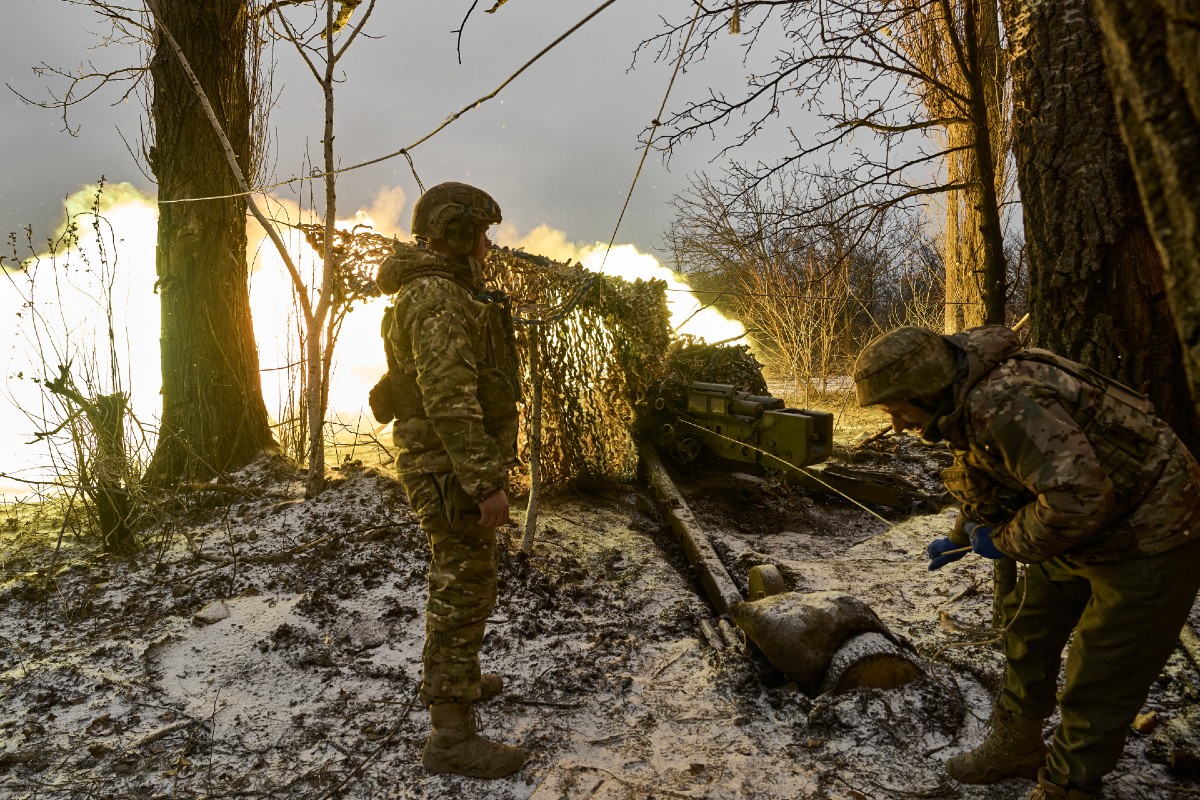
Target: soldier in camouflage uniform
(451,386)
(1073,475)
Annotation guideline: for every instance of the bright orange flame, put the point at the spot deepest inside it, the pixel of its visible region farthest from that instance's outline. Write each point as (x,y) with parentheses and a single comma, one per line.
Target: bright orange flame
(688,314)
(129,237)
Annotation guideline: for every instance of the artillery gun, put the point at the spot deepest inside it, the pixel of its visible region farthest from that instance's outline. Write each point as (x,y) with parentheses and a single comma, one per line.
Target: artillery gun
(738,426)
(822,641)
(759,433)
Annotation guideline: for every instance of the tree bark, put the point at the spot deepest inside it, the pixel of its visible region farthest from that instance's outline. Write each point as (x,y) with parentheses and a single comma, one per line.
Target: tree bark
(1152,53)
(1097,292)
(967,59)
(984,78)
(214,418)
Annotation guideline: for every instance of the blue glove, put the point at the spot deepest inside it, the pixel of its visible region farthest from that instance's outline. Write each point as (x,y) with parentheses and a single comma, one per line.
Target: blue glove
(981,540)
(941,552)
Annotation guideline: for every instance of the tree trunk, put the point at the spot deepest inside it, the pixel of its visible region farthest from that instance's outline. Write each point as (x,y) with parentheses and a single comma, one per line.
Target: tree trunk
(1152,52)
(1096,282)
(968,59)
(214,418)
(985,79)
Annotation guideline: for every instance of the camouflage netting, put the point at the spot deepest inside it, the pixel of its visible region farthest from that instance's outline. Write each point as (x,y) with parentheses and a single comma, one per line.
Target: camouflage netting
(690,359)
(602,345)
(357,254)
(606,350)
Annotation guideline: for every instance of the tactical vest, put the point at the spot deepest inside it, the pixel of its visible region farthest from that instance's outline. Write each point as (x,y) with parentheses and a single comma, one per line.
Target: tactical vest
(1121,428)
(398,396)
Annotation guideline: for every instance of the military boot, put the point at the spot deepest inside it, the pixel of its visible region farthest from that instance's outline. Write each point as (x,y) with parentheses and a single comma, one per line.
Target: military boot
(1013,748)
(1046,790)
(454,747)
(490,685)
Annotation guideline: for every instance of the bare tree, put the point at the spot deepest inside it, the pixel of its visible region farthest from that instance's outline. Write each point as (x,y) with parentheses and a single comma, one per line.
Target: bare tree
(1150,50)
(214,417)
(1098,289)
(807,295)
(315,38)
(96,447)
(922,78)
(960,43)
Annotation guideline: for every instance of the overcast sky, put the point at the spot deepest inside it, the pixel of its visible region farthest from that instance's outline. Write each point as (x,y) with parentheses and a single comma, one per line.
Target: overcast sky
(558,147)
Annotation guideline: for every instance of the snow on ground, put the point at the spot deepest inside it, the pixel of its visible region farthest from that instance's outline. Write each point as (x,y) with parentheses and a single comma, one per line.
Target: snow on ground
(269,647)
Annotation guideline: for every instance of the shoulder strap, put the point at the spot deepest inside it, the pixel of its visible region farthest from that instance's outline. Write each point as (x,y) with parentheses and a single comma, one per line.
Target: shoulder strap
(1090,376)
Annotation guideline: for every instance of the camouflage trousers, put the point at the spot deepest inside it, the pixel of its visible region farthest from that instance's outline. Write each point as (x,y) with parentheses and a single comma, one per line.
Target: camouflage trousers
(462,587)
(1126,617)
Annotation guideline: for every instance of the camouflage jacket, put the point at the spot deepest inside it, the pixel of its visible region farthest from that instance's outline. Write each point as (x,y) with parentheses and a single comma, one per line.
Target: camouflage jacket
(456,381)
(1085,467)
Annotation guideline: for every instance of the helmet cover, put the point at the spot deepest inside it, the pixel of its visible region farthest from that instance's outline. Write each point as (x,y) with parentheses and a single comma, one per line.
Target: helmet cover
(906,363)
(452,202)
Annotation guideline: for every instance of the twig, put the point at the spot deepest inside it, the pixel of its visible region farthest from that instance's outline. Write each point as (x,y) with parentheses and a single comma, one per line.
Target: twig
(526,701)
(384,742)
(63,529)
(668,665)
(875,437)
(223,487)
(154,736)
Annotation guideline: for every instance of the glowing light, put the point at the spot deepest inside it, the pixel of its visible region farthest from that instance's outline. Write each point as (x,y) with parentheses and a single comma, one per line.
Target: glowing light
(688,314)
(67,292)
(70,287)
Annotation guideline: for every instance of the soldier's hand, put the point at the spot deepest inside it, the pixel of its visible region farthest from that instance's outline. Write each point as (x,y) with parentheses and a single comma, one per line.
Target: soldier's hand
(981,541)
(942,551)
(493,510)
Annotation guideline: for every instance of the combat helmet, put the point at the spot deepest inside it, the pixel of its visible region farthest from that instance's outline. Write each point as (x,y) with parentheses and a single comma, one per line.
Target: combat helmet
(902,364)
(454,212)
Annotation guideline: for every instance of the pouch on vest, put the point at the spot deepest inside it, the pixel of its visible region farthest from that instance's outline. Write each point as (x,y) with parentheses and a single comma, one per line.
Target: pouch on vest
(499,404)
(499,384)
(459,508)
(978,494)
(381,400)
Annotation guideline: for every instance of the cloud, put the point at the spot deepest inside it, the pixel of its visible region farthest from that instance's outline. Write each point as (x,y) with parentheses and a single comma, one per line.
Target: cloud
(384,212)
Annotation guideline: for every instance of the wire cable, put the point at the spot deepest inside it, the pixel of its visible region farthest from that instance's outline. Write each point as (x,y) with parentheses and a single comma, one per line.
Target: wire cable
(656,122)
(404,151)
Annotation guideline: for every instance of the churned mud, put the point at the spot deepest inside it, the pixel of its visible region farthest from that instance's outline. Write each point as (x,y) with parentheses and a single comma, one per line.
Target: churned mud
(269,647)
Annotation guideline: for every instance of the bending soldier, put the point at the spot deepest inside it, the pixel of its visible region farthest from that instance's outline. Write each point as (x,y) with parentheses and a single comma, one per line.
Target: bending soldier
(1073,475)
(451,386)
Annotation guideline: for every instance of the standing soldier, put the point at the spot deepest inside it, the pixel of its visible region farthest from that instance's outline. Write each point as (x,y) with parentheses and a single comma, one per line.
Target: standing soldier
(1073,475)
(451,387)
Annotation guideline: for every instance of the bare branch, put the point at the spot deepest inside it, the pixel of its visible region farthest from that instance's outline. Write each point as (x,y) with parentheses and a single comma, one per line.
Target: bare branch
(231,158)
(462,27)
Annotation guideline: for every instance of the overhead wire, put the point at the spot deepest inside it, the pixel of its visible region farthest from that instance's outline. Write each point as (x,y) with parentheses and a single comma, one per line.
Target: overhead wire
(405,151)
(654,126)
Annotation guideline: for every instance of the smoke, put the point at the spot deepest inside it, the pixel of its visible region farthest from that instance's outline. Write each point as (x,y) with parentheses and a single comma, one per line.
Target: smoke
(82,299)
(689,315)
(113,264)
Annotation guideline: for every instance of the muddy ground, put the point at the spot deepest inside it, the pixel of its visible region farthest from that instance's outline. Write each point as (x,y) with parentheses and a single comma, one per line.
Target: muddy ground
(269,647)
